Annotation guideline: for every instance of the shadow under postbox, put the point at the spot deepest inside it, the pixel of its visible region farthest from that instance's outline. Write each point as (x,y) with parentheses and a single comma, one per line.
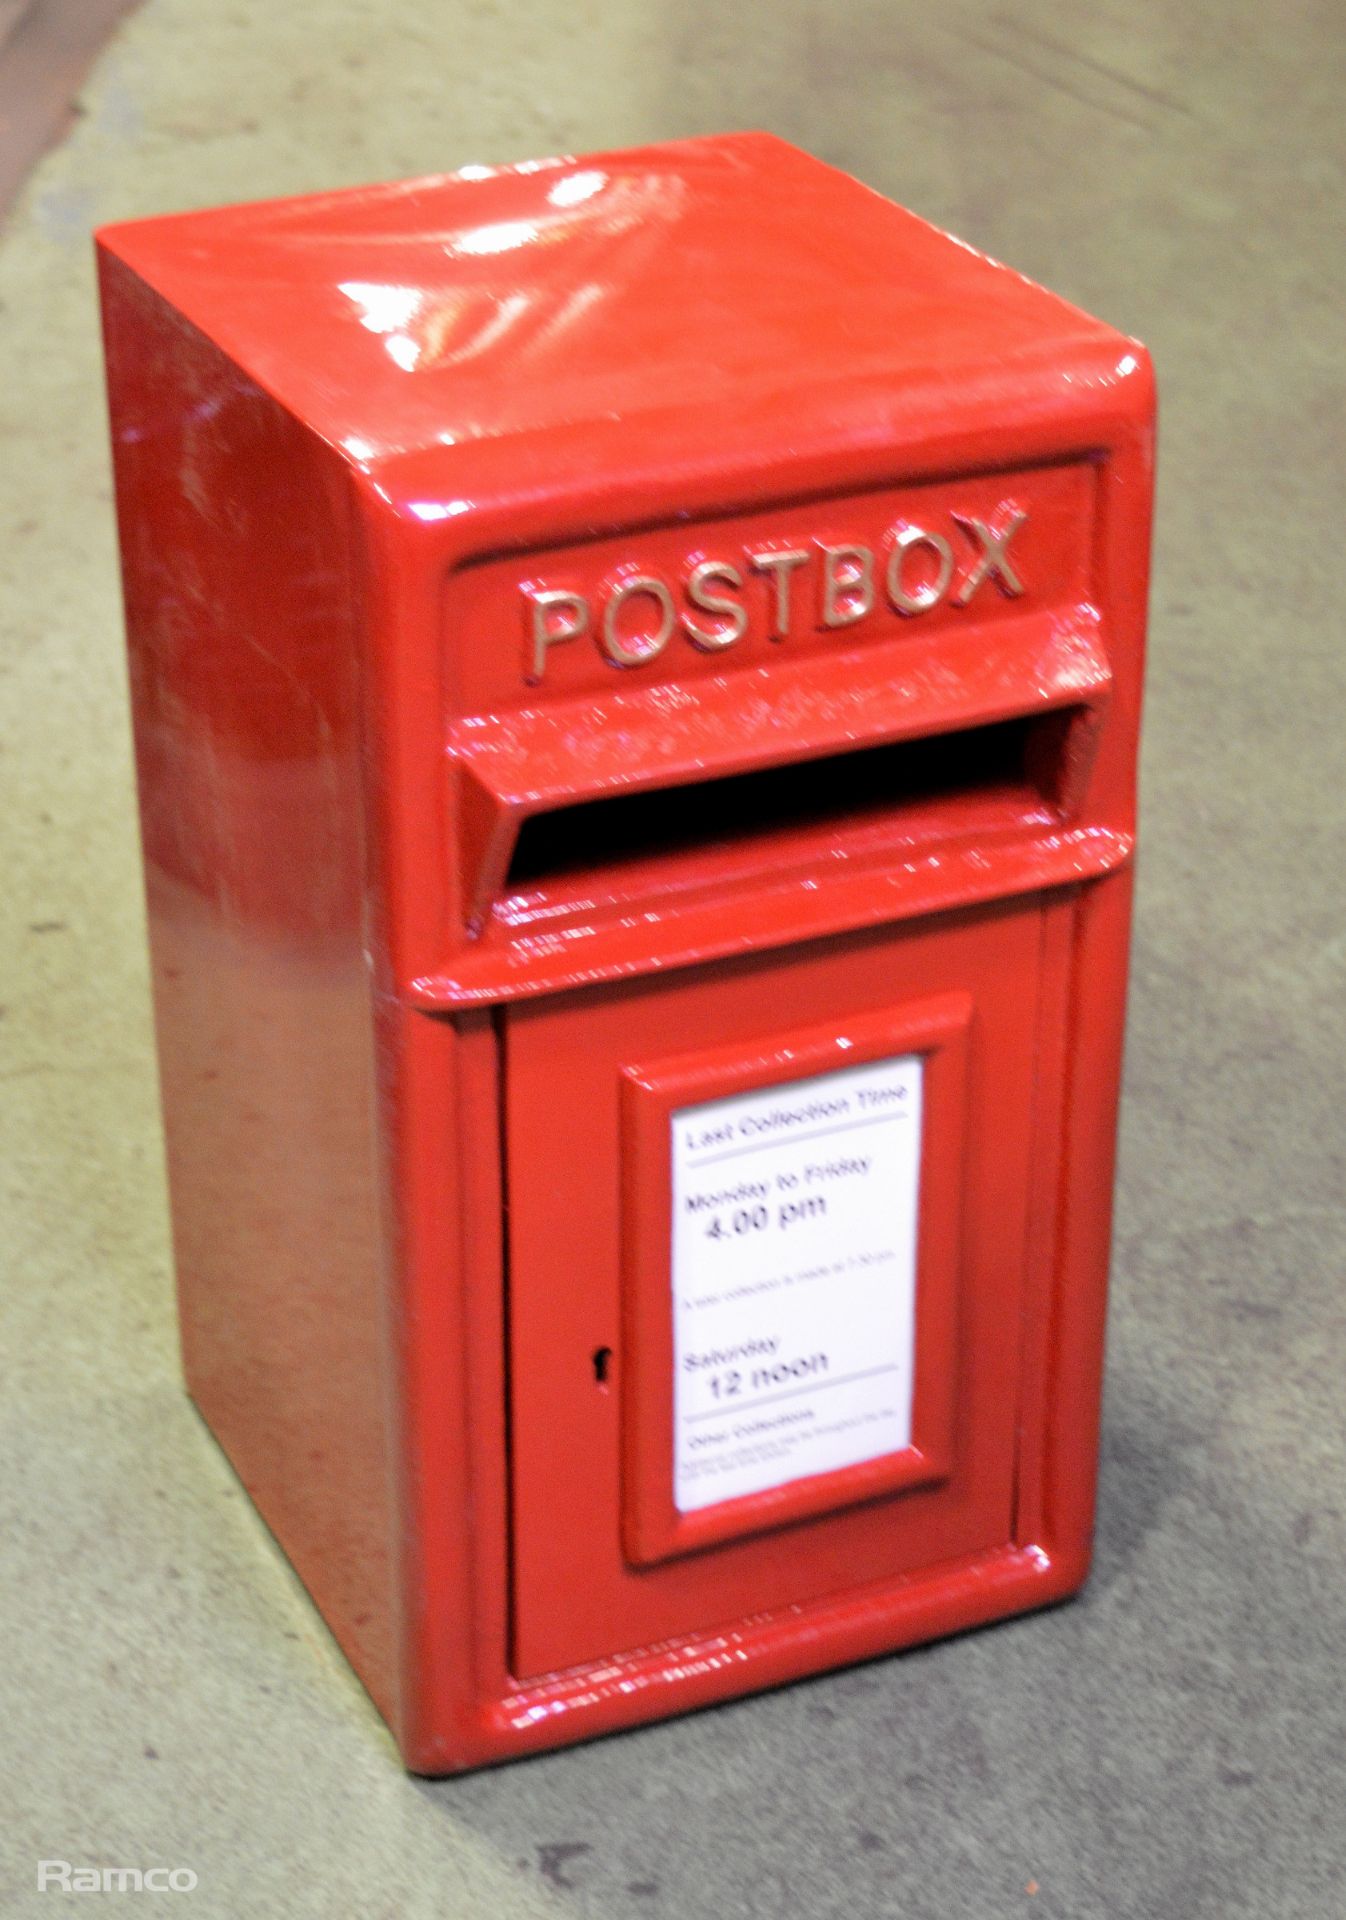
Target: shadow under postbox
(683,823)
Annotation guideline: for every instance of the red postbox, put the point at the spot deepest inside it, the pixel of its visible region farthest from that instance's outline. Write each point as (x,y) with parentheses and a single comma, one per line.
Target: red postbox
(636,671)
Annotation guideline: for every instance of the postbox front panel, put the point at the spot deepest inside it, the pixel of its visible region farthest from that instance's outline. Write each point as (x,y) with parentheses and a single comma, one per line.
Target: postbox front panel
(767,1225)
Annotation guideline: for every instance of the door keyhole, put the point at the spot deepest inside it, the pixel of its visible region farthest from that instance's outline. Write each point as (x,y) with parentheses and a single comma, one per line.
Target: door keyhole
(602,1361)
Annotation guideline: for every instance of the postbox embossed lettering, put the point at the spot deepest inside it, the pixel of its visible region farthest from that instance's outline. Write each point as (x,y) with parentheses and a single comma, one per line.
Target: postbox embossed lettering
(633,612)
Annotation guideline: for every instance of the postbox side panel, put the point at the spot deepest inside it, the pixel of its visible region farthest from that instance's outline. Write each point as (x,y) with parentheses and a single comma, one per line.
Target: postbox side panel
(597,1571)
(236,544)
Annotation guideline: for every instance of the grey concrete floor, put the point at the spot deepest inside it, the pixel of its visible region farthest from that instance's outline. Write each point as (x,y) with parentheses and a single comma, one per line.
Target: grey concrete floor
(1173,1745)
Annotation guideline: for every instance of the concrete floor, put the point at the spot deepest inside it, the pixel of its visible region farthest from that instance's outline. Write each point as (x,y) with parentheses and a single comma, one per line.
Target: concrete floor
(1173,1745)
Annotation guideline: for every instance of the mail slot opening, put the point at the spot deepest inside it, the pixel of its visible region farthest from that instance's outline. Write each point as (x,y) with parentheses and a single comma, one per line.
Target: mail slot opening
(1027,766)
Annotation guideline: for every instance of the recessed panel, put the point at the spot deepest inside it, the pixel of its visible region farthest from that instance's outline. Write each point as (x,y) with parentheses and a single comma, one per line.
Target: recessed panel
(647,1125)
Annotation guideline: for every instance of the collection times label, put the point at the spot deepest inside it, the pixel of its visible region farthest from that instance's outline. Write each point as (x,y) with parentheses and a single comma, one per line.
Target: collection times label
(794,1279)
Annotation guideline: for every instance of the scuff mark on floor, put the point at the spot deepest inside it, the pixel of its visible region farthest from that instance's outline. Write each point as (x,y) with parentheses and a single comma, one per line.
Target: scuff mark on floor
(46,50)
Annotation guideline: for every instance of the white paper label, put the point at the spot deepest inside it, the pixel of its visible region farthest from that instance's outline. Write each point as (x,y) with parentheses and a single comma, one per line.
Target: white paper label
(794,1279)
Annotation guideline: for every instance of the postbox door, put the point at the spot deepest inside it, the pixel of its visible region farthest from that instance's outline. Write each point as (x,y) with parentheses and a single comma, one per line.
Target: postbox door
(767,1229)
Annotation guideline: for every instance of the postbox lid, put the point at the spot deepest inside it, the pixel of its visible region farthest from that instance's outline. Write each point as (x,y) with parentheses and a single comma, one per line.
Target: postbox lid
(689,285)
(573,367)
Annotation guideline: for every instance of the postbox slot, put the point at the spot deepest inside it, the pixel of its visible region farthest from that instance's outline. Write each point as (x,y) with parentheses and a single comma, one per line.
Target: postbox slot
(1018,763)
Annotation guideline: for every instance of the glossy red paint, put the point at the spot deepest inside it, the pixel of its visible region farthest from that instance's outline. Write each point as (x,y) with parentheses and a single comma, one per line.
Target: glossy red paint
(418,1056)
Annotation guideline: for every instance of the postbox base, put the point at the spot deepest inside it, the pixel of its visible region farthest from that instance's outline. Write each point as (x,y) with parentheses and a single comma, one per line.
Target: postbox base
(687,1674)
